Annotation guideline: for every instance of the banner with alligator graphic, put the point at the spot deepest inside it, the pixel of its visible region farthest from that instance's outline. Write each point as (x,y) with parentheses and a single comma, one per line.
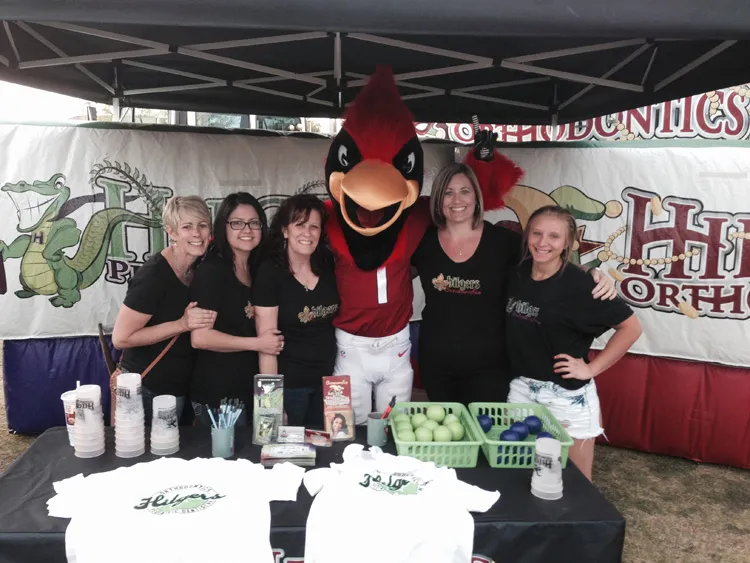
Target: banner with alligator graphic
(81,209)
(80,212)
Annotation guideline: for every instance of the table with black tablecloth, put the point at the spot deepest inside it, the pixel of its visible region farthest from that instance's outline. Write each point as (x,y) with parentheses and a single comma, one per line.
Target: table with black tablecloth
(581,527)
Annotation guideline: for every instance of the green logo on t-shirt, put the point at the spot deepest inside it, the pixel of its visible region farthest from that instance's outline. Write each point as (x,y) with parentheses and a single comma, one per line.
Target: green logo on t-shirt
(183,499)
(394,483)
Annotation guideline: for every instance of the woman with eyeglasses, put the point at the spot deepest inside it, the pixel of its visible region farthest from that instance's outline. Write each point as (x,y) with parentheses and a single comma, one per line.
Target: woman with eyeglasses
(227,354)
(295,291)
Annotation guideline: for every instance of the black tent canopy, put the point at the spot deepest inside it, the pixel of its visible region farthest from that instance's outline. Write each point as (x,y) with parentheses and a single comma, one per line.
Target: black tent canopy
(531,62)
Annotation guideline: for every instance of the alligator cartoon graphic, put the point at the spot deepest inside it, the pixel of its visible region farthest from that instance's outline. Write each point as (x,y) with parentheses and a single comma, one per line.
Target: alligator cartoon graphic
(46,233)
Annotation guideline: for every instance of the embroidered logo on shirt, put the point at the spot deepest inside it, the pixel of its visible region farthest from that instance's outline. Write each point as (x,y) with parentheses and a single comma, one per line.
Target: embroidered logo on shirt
(249,310)
(317,312)
(183,499)
(394,483)
(522,310)
(451,284)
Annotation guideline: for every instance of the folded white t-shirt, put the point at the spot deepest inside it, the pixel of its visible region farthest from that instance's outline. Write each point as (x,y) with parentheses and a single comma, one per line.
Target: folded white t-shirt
(174,511)
(378,507)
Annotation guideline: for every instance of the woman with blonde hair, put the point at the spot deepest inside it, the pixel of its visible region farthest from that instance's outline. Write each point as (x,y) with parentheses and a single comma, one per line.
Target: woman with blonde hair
(153,324)
(552,320)
(462,262)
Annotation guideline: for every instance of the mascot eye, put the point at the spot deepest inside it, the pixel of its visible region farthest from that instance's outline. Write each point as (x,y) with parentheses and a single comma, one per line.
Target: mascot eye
(343,156)
(408,166)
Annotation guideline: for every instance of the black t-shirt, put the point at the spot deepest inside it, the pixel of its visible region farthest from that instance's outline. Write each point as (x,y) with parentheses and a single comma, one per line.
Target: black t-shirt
(156,290)
(462,321)
(305,320)
(224,374)
(555,316)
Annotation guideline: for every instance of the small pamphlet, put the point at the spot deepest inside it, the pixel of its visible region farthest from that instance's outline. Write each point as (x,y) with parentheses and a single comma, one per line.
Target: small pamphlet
(298,454)
(318,438)
(268,407)
(337,407)
(291,435)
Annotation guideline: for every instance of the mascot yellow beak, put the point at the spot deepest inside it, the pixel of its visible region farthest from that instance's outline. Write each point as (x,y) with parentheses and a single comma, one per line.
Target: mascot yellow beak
(372,195)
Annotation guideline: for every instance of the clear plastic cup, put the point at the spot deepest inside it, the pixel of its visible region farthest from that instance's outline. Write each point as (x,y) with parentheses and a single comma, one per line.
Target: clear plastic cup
(546,480)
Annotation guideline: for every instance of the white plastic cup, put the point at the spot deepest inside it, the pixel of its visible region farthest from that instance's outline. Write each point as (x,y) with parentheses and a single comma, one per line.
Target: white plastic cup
(90,392)
(69,404)
(164,420)
(546,480)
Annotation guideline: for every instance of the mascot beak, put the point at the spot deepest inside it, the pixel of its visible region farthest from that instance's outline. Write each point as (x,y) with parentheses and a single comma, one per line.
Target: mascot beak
(372,195)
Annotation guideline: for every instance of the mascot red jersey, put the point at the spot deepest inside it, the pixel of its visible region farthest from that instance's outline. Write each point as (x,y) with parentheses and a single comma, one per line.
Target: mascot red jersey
(377,218)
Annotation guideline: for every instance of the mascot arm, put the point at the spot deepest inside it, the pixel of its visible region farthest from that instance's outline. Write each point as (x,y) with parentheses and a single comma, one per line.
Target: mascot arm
(496,177)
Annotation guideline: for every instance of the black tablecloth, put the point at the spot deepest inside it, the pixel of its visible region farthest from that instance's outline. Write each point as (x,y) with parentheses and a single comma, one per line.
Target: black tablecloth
(581,527)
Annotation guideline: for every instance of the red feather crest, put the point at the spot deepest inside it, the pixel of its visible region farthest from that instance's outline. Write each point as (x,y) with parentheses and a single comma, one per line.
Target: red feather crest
(378,119)
(496,178)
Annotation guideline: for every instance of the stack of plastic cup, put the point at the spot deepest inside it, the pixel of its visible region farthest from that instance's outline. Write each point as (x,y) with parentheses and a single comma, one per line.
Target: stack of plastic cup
(69,403)
(89,424)
(130,432)
(165,432)
(546,481)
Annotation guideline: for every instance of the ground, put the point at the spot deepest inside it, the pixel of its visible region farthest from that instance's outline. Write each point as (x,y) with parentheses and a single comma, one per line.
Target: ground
(676,510)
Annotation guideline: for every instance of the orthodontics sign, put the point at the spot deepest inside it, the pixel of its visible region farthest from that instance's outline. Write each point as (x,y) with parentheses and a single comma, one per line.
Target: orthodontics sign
(718,115)
(80,212)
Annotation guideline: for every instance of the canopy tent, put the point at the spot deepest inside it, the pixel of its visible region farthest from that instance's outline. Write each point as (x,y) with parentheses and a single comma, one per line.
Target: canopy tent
(541,62)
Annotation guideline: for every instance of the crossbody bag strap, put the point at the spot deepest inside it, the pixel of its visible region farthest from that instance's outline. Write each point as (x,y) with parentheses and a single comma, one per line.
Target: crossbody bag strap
(160,356)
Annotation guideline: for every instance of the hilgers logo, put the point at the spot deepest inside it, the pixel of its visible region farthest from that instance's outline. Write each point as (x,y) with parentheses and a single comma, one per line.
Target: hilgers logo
(183,499)
(682,258)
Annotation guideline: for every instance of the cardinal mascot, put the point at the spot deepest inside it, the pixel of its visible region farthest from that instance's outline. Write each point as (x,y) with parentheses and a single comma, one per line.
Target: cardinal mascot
(374,173)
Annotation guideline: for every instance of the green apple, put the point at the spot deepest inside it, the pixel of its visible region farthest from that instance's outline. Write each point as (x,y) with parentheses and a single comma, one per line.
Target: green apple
(403,427)
(401,417)
(423,434)
(418,419)
(407,435)
(450,418)
(457,430)
(431,424)
(436,413)
(442,434)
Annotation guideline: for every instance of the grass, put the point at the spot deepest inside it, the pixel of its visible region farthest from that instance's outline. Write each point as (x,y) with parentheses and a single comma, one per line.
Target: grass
(676,510)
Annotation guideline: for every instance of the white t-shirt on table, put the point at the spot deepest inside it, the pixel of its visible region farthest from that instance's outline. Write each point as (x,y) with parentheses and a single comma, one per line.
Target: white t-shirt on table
(378,507)
(174,511)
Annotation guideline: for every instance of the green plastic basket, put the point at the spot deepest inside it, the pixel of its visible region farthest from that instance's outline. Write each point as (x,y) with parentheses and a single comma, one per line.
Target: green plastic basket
(462,453)
(515,454)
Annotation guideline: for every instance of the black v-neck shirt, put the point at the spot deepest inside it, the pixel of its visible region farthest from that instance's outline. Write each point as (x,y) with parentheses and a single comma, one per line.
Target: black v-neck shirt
(305,319)
(462,321)
(156,290)
(224,374)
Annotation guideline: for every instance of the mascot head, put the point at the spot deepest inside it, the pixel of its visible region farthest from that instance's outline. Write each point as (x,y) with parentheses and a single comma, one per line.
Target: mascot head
(375,168)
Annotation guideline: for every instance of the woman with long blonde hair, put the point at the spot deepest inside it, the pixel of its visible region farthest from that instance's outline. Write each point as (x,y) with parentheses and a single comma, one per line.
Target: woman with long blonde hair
(552,320)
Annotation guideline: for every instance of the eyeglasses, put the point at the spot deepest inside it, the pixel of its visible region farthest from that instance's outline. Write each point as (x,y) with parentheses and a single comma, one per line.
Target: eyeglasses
(238,225)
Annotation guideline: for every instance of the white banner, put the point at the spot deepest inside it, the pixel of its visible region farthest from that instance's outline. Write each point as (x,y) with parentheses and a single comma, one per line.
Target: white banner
(73,203)
(671,225)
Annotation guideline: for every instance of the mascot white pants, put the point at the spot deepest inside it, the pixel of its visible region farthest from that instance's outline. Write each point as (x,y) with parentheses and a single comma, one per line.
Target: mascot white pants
(379,367)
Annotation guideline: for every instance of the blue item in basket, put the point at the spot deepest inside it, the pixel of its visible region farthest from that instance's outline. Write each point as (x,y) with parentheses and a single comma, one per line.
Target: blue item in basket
(544,435)
(534,424)
(520,429)
(485,422)
(510,436)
